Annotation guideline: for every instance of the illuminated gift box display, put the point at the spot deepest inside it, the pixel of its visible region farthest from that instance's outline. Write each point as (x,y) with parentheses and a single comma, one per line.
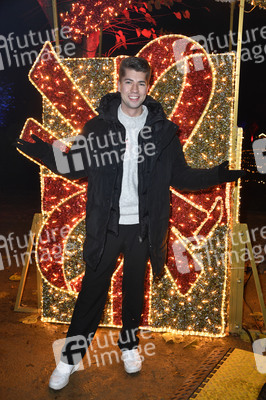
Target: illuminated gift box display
(196,91)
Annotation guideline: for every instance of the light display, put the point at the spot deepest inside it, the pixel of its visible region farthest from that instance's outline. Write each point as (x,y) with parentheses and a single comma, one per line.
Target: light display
(196,91)
(86,16)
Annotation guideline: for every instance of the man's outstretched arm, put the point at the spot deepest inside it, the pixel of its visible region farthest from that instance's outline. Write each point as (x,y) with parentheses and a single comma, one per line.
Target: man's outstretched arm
(59,162)
(186,178)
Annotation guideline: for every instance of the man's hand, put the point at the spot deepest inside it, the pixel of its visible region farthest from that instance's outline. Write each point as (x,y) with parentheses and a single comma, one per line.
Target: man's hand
(227,175)
(38,149)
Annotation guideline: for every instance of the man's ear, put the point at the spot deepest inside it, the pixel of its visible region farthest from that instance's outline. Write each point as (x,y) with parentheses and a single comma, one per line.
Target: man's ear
(118,86)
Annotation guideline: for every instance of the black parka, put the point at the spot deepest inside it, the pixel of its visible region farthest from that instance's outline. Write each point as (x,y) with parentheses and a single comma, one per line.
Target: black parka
(161,165)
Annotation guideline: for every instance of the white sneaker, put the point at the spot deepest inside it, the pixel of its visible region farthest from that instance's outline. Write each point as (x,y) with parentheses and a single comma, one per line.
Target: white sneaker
(132,361)
(61,374)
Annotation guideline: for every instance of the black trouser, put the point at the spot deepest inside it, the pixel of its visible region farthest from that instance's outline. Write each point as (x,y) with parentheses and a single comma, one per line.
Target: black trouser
(95,285)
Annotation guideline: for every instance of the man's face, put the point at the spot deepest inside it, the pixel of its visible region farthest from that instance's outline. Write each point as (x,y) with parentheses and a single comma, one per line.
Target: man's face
(133,88)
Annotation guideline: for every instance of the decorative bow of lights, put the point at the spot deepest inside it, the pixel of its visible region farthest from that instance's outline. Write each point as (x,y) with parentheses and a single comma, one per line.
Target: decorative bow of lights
(196,91)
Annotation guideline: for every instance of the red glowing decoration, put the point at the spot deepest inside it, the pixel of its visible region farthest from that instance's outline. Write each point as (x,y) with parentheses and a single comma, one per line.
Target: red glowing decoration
(87,16)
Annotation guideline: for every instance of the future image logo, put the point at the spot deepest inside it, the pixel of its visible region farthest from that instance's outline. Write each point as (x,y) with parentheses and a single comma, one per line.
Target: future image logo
(259,150)
(19,51)
(100,151)
(259,349)
(102,351)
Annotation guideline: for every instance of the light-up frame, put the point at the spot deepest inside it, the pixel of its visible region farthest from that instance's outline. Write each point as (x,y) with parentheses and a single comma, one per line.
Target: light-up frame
(71,91)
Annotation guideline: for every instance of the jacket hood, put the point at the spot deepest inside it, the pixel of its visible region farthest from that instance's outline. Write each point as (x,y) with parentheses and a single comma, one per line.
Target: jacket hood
(111,101)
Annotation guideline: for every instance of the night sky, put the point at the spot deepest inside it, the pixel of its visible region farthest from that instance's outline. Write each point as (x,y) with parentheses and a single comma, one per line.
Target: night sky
(20,100)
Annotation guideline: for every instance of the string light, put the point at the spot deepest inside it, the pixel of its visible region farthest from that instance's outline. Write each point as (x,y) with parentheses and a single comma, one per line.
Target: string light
(86,17)
(260,3)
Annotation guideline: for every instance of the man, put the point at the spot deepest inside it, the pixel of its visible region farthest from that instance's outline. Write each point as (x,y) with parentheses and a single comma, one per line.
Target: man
(131,158)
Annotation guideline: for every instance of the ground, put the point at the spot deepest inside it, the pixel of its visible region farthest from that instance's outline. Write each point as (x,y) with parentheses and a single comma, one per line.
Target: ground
(26,344)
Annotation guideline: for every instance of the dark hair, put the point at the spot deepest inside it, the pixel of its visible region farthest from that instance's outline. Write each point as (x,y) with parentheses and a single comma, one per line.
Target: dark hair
(137,63)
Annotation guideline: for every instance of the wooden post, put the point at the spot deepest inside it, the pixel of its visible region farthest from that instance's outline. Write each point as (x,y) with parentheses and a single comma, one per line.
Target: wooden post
(238,62)
(256,279)
(237,278)
(236,282)
(232,9)
(35,228)
(56,29)
(237,132)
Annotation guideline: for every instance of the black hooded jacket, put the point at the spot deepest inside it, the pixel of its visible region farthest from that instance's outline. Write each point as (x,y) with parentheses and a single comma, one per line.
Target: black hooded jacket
(161,164)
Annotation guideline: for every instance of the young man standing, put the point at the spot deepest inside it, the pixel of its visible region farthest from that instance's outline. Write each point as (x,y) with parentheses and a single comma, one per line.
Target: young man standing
(133,156)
